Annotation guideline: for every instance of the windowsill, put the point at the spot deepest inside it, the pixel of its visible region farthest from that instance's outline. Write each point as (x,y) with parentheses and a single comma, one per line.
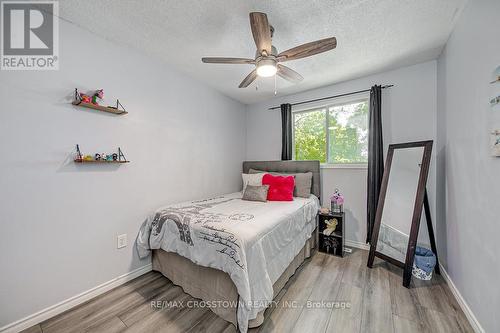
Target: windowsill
(344,166)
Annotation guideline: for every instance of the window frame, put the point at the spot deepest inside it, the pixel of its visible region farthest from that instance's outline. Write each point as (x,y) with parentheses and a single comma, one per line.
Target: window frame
(337,102)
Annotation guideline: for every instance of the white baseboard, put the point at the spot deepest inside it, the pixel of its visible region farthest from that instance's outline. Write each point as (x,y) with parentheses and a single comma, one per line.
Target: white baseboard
(58,308)
(461,301)
(357,245)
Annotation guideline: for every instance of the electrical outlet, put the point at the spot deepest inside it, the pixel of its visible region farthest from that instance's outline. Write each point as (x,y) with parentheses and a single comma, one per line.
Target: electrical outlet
(121,241)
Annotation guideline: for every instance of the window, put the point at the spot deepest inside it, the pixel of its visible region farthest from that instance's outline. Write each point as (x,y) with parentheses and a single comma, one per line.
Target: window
(333,134)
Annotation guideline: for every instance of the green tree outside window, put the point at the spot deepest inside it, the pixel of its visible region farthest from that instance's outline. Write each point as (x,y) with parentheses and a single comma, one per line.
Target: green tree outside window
(340,130)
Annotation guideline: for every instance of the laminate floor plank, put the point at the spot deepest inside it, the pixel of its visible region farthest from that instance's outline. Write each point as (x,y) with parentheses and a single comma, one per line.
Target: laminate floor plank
(161,318)
(114,325)
(100,308)
(404,302)
(96,315)
(286,314)
(377,303)
(355,269)
(347,318)
(319,306)
(186,321)
(33,329)
(433,297)
(377,311)
(166,293)
(210,322)
(435,321)
(407,326)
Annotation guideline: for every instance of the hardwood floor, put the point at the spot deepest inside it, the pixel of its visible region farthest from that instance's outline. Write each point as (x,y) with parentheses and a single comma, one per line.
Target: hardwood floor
(370,300)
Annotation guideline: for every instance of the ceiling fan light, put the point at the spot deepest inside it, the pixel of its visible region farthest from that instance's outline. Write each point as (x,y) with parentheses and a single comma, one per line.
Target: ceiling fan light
(266,68)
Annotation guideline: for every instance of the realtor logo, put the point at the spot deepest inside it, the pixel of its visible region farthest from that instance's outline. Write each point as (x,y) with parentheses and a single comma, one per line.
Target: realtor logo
(29,35)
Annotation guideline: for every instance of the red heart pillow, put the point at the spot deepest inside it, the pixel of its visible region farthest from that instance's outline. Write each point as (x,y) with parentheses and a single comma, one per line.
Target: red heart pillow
(280,187)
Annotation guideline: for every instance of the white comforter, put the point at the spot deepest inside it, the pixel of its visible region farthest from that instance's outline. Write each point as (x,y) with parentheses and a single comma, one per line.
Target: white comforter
(254,242)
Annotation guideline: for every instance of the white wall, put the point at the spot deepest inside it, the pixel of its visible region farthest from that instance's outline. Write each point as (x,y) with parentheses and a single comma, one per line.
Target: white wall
(59,220)
(408,112)
(471,191)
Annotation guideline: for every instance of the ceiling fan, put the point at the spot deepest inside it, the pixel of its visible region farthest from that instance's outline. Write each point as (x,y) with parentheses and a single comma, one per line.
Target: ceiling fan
(267,59)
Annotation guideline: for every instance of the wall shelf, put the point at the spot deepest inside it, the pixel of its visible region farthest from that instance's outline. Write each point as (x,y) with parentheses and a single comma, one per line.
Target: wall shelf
(101,162)
(80,101)
(118,158)
(100,108)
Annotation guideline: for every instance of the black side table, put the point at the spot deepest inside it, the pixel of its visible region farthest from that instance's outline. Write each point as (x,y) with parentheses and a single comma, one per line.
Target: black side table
(334,243)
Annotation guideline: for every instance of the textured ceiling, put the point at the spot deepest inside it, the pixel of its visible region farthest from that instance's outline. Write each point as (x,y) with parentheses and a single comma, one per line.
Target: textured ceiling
(372,36)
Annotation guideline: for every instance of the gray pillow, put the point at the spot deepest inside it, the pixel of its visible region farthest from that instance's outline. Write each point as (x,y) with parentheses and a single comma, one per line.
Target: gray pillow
(303,182)
(255,193)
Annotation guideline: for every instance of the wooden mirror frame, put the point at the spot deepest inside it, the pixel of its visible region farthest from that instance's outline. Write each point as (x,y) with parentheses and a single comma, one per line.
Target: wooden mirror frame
(421,200)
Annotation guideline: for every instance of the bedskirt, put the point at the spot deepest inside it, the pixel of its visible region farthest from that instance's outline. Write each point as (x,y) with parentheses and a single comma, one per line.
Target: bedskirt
(213,285)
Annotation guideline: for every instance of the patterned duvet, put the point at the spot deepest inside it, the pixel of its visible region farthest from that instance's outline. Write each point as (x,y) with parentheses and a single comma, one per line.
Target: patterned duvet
(251,241)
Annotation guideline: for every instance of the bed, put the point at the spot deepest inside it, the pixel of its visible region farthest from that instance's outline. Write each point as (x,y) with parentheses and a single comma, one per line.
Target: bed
(236,255)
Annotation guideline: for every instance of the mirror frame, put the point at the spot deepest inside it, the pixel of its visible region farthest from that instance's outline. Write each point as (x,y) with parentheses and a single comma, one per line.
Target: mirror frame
(417,210)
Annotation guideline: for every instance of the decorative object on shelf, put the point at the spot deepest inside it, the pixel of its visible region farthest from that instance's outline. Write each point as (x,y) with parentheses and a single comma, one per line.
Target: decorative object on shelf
(337,201)
(100,158)
(98,94)
(324,210)
(89,101)
(496,75)
(494,101)
(495,143)
(331,225)
(331,233)
(496,78)
(331,243)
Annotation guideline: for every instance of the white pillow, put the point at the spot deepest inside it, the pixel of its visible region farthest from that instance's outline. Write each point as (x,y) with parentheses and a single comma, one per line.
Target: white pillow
(254,179)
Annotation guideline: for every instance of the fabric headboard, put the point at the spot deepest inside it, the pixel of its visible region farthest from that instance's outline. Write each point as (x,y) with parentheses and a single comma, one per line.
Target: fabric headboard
(289,167)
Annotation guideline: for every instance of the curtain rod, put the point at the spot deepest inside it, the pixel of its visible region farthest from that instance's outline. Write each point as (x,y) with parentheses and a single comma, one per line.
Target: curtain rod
(330,97)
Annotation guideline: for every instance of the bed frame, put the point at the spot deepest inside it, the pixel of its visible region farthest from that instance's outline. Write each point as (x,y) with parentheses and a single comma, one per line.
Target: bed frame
(210,284)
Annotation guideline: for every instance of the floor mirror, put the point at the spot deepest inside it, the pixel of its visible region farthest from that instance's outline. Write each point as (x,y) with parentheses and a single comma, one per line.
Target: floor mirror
(403,199)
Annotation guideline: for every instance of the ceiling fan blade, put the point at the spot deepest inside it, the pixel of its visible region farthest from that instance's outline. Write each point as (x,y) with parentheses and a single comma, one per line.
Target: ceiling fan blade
(309,49)
(249,79)
(289,74)
(220,60)
(261,32)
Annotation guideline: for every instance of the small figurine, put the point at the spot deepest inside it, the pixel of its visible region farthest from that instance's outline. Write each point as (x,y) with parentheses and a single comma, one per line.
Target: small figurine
(97,157)
(331,225)
(85,98)
(109,157)
(99,94)
(88,158)
(115,157)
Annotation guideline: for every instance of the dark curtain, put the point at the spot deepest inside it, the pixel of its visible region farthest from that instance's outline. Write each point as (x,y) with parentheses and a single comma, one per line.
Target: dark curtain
(286,132)
(375,157)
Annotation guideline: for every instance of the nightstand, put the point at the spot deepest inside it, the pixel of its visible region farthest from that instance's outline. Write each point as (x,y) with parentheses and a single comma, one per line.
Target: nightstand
(334,243)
